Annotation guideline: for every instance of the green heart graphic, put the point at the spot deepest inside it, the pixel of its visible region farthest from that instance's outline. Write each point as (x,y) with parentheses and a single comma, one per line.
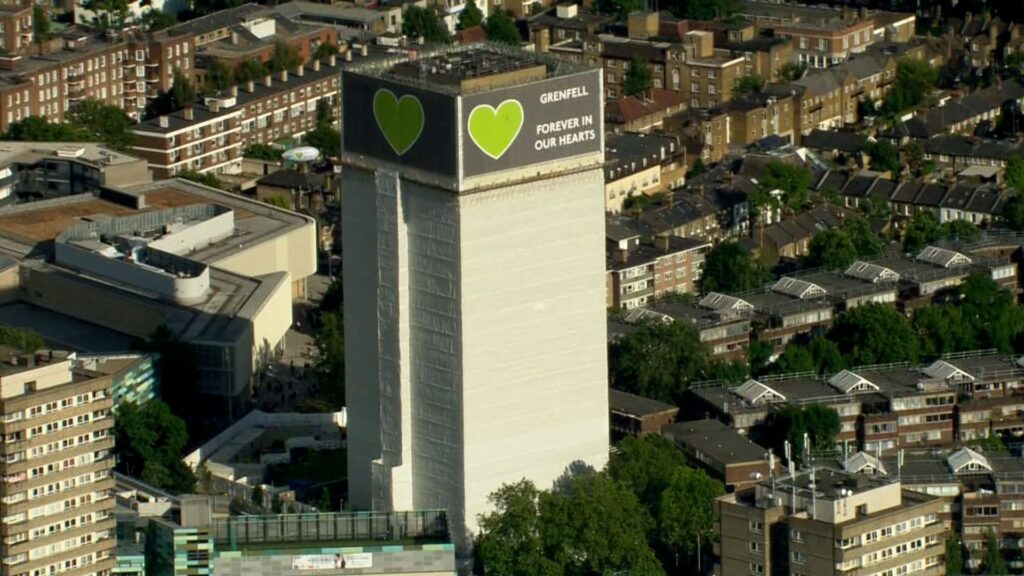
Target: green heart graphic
(494,130)
(400,119)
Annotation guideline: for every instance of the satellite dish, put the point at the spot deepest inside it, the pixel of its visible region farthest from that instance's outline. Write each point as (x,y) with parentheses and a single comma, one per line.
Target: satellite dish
(301,154)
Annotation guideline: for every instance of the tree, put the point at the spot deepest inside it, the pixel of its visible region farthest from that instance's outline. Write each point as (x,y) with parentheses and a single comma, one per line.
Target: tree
(279,200)
(645,466)
(686,518)
(923,230)
(791,72)
(620,8)
(942,330)
(510,541)
(915,80)
(991,312)
(325,139)
(262,152)
(203,178)
(22,339)
(658,360)
(87,121)
(155,20)
(182,91)
(1015,173)
(204,7)
(884,156)
(913,156)
(325,500)
(595,526)
(330,365)
(325,50)
(708,9)
(751,84)
(697,169)
(1013,212)
(501,28)
(865,241)
(793,181)
(423,22)
(258,496)
(831,249)
(993,564)
(284,57)
(954,555)
(250,71)
(874,334)
(107,14)
(819,422)
(40,26)
(470,16)
(728,267)
(149,443)
(794,359)
(637,80)
(219,77)
(961,230)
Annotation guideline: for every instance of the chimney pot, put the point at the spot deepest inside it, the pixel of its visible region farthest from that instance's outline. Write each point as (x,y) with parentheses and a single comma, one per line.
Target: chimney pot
(300,70)
(214,106)
(189,115)
(316,65)
(348,55)
(284,76)
(250,86)
(164,121)
(363,50)
(267,81)
(233,91)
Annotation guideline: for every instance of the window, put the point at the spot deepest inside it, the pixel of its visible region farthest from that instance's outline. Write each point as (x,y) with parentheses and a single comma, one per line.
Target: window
(757,569)
(822,44)
(756,527)
(796,535)
(799,557)
(755,547)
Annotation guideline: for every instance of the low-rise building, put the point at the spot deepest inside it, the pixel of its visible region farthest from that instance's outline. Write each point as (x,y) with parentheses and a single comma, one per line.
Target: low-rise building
(639,273)
(638,164)
(633,415)
(826,521)
(724,453)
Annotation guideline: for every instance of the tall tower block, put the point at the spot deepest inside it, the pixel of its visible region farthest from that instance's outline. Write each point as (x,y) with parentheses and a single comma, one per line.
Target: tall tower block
(473,232)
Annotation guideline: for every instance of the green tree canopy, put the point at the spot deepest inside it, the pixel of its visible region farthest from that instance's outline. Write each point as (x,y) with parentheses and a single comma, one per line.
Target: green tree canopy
(511,541)
(793,181)
(155,20)
(831,249)
(87,121)
(325,50)
(818,355)
(22,339)
(205,178)
(658,360)
(993,563)
(423,22)
(915,80)
(279,200)
(954,555)
(922,231)
(182,91)
(686,518)
(874,334)
(620,8)
(219,77)
(884,156)
(149,443)
(107,14)
(1013,212)
(819,422)
(1015,173)
(262,152)
(751,84)
(40,24)
(470,16)
(728,267)
(284,57)
(637,80)
(792,71)
(501,28)
(866,242)
(645,466)
(250,70)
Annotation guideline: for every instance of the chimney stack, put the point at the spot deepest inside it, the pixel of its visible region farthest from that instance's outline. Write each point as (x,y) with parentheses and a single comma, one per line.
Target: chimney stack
(234,38)
(233,91)
(363,50)
(214,106)
(316,65)
(300,70)
(662,243)
(189,115)
(621,255)
(348,55)
(164,121)
(267,81)
(250,86)
(284,76)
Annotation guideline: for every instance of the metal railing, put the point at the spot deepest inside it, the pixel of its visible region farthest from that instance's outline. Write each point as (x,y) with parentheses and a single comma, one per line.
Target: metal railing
(331,527)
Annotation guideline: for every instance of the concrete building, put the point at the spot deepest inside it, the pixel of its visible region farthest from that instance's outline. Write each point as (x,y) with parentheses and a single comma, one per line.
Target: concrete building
(473,222)
(57,488)
(215,269)
(825,521)
(633,415)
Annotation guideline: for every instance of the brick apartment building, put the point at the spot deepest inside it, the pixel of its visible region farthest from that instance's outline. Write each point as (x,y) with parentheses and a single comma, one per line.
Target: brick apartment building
(826,521)
(639,273)
(119,70)
(15,27)
(820,45)
(57,491)
(210,137)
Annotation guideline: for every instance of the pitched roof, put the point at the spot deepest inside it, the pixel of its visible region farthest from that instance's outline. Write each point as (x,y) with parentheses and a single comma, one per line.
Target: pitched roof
(966,459)
(716,301)
(849,382)
(871,272)
(757,393)
(942,257)
(797,288)
(848,142)
(864,461)
(945,371)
